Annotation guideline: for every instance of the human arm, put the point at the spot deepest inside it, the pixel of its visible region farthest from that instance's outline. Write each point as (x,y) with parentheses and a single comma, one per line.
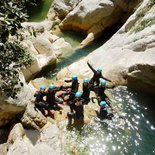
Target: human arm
(105,78)
(90,66)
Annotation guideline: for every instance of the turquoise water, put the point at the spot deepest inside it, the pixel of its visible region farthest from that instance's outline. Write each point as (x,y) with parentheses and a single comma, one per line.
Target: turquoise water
(135,137)
(68,57)
(38,13)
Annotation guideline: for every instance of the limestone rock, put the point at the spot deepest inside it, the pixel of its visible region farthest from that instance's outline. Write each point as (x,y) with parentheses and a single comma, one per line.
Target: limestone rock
(92,17)
(63,7)
(44,49)
(33,118)
(24,142)
(38,26)
(128,57)
(10,107)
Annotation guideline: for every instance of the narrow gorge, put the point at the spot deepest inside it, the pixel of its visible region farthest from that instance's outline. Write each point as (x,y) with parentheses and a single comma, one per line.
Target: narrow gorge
(61,36)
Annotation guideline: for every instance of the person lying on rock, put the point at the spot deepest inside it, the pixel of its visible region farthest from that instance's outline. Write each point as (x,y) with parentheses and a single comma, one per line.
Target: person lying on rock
(86,87)
(77,107)
(103,111)
(51,99)
(40,103)
(73,88)
(95,80)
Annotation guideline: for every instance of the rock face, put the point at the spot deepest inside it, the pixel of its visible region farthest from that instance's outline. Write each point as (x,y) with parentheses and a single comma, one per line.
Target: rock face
(33,118)
(92,17)
(25,142)
(128,57)
(44,49)
(10,107)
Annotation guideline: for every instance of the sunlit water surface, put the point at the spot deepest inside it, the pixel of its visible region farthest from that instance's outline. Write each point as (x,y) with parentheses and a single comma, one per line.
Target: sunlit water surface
(133,135)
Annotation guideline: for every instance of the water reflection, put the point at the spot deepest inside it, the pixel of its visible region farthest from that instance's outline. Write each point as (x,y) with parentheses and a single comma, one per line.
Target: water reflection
(135,135)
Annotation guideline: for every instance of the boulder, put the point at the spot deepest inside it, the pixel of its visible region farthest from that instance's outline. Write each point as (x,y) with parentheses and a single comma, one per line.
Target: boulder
(33,118)
(28,142)
(63,7)
(128,57)
(92,17)
(11,107)
(38,27)
(44,49)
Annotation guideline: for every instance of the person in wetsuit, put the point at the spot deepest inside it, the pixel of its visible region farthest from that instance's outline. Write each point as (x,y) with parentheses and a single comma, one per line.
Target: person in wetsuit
(101,92)
(73,89)
(39,101)
(51,99)
(78,107)
(95,80)
(86,87)
(103,112)
(79,110)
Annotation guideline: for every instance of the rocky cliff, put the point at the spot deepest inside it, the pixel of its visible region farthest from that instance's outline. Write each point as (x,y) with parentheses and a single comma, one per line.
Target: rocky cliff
(92,17)
(128,57)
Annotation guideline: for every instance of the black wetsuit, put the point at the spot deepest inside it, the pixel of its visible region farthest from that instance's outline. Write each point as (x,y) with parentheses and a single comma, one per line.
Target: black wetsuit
(102,96)
(79,110)
(74,88)
(96,77)
(39,101)
(86,92)
(103,112)
(51,99)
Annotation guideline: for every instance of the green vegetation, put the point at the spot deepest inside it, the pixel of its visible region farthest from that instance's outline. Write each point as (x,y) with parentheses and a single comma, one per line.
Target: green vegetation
(12,53)
(141,22)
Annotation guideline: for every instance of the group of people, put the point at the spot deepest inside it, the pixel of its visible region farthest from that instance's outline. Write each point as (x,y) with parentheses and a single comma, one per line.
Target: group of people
(76,99)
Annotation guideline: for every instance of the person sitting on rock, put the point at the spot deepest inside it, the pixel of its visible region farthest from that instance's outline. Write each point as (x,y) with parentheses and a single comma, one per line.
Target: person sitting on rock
(73,88)
(103,111)
(87,87)
(51,99)
(39,99)
(95,80)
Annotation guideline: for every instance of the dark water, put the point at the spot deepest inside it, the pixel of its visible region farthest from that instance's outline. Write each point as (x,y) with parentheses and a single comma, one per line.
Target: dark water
(39,12)
(134,135)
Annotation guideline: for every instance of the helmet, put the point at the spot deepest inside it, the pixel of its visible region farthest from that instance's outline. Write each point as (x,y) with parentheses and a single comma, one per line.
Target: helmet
(86,80)
(78,94)
(51,86)
(74,77)
(99,69)
(103,103)
(103,82)
(42,86)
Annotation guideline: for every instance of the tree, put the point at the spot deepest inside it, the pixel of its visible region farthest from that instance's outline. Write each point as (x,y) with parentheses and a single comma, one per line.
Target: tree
(12,53)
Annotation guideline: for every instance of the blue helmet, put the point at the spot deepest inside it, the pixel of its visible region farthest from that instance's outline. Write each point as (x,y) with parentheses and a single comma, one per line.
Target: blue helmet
(99,69)
(78,94)
(74,77)
(51,86)
(103,82)
(42,86)
(103,103)
(86,80)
